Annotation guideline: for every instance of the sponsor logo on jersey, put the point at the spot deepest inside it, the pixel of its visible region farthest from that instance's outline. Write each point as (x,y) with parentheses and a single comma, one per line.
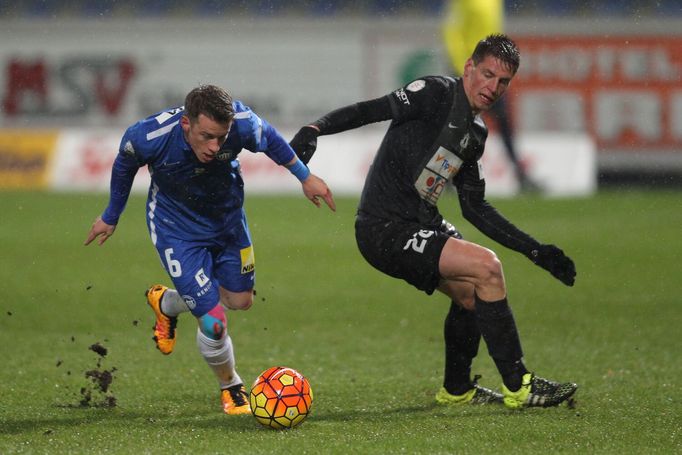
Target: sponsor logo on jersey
(226,155)
(129,149)
(442,166)
(402,96)
(464,142)
(248,260)
(416,85)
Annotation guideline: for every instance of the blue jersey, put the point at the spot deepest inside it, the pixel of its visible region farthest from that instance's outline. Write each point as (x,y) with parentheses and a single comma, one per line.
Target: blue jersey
(192,199)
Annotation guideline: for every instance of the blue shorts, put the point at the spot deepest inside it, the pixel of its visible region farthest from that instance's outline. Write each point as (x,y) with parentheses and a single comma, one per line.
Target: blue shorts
(198,266)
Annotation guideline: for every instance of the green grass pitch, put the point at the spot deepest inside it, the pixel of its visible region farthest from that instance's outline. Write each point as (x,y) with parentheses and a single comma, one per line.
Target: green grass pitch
(370,345)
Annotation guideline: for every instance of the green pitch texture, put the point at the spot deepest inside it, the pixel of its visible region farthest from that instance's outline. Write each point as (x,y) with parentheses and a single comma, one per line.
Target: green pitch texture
(370,345)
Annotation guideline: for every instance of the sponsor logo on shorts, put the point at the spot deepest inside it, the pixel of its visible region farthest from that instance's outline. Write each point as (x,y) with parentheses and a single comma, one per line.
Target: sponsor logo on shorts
(201,277)
(189,301)
(205,290)
(248,260)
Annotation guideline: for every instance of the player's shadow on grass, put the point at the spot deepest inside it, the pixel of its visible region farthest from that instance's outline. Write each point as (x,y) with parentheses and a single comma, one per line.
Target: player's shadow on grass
(321,415)
(203,417)
(400,412)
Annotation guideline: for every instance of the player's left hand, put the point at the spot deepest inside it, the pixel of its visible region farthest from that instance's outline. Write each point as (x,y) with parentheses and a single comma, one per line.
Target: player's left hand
(553,259)
(314,187)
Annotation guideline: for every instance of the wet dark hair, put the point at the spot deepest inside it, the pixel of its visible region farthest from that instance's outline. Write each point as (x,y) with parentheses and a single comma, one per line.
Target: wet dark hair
(499,46)
(214,102)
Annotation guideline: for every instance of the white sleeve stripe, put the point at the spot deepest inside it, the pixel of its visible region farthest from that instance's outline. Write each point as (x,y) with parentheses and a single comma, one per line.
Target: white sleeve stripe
(259,132)
(161,131)
(245,114)
(163,117)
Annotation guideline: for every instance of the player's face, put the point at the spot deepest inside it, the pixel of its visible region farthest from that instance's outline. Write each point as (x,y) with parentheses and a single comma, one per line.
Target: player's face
(486,82)
(205,136)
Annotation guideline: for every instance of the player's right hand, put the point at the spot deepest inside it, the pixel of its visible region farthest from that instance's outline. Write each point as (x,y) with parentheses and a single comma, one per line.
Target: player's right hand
(304,143)
(100,229)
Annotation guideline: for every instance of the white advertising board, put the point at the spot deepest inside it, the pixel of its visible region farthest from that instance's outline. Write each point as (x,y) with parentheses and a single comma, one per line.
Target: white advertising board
(565,165)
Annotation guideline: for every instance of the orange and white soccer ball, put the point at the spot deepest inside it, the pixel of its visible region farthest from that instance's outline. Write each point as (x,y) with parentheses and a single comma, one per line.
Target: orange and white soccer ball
(281,398)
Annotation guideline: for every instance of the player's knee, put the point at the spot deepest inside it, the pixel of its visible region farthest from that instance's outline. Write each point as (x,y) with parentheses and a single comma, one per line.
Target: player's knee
(238,300)
(491,269)
(212,327)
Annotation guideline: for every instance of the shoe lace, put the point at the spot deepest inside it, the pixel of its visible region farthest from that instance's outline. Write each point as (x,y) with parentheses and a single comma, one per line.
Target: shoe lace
(483,395)
(542,386)
(172,324)
(238,395)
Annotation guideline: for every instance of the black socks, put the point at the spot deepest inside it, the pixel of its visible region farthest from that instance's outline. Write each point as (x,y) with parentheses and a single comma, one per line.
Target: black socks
(496,323)
(462,338)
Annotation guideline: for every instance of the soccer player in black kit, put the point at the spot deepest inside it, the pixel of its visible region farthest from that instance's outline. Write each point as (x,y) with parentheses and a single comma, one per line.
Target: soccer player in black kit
(436,137)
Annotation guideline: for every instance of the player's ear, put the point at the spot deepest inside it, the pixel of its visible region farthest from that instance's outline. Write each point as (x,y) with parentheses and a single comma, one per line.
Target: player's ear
(468,65)
(184,123)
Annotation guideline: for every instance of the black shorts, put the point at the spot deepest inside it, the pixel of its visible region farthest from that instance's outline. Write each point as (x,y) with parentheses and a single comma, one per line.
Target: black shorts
(405,250)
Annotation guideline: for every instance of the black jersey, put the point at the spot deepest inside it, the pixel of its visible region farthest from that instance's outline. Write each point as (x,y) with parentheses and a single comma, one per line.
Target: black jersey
(433,140)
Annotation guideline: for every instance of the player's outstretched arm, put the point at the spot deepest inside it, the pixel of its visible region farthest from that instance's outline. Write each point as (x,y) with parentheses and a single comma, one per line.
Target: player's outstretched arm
(100,229)
(314,188)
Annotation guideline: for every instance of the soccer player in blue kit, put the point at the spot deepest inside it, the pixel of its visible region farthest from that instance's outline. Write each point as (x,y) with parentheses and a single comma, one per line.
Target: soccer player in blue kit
(196,218)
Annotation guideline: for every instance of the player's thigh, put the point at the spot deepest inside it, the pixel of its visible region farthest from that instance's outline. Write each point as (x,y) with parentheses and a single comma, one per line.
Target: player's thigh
(404,250)
(190,267)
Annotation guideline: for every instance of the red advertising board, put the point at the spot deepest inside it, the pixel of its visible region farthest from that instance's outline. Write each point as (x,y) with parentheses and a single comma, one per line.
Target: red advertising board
(626,92)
